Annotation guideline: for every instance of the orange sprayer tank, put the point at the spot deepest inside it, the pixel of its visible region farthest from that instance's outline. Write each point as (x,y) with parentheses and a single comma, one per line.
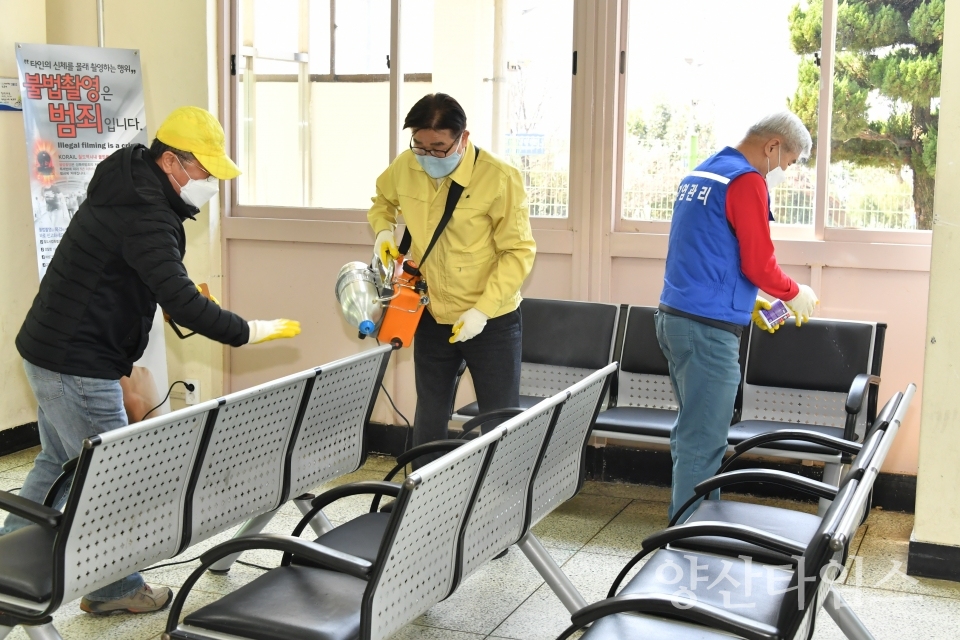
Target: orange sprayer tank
(404,310)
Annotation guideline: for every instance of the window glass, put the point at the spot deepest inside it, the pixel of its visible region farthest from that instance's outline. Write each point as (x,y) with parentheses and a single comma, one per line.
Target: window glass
(315,132)
(885,112)
(362,36)
(698,74)
(314,129)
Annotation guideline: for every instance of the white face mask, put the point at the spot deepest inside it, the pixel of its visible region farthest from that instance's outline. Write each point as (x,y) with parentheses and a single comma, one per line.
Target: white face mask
(775,176)
(198,192)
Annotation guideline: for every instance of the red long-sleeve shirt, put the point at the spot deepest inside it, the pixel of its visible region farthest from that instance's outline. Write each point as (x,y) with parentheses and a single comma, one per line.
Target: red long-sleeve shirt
(747,214)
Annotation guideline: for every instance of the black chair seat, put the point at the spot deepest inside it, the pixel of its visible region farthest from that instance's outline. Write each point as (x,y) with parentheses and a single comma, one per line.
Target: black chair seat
(749,428)
(793,525)
(668,571)
(638,421)
(526,402)
(288,602)
(623,626)
(359,537)
(25,563)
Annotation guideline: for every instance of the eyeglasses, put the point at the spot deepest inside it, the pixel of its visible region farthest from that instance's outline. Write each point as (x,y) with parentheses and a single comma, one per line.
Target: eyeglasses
(191,161)
(436,153)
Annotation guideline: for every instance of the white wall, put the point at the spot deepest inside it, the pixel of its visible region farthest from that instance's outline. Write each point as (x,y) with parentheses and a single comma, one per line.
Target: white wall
(20,21)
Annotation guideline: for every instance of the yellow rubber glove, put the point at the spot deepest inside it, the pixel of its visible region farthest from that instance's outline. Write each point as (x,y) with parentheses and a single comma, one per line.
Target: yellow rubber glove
(385,247)
(470,323)
(264,330)
(209,296)
(803,304)
(758,320)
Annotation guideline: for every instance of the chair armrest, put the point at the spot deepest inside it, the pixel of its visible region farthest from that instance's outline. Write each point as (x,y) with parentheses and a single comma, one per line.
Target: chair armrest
(69,467)
(483,418)
(353,489)
(405,458)
(724,530)
(781,478)
(839,444)
(33,511)
(317,553)
(677,608)
(693,530)
(858,391)
(426,449)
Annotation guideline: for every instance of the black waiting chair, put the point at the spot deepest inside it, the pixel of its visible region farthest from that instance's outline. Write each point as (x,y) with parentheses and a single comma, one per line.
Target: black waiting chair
(320,592)
(822,377)
(799,528)
(796,525)
(563,342)
(135,480)
(644,405)
(668,600)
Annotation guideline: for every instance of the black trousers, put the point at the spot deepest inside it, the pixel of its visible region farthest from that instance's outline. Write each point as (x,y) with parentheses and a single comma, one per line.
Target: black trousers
(493,357)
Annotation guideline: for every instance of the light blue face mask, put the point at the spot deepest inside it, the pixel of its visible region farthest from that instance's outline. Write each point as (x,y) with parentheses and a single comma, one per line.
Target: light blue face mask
(440,167)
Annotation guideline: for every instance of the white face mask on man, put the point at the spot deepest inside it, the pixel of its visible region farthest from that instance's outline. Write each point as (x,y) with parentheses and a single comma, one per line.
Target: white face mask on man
(775,176)
(197,192)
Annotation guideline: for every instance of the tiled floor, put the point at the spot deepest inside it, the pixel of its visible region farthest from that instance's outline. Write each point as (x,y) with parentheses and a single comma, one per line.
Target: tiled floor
(591,536)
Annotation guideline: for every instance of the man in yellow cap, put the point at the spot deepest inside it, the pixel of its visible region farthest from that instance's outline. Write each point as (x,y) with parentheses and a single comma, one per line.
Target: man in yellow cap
(121,255)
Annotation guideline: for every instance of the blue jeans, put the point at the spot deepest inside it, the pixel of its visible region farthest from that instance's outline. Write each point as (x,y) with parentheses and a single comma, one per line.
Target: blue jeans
(705,373)
(493,357)
(71,408)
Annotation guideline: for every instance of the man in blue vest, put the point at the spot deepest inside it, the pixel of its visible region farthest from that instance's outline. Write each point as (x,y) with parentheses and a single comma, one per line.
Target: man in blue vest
(720,255)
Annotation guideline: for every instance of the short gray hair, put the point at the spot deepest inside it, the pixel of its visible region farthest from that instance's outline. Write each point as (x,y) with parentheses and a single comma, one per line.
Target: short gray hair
(786,126)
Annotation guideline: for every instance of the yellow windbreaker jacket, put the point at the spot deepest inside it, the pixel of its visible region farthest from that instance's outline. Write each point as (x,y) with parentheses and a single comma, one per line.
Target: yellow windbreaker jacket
(487,249)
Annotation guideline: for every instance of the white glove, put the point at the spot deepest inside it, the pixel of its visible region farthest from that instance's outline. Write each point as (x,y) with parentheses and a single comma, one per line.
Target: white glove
(263,330)
(471,323)
(803,304)
(385,247)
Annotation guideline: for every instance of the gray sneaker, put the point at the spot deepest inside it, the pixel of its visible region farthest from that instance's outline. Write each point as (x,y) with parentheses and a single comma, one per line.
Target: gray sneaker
(144,600)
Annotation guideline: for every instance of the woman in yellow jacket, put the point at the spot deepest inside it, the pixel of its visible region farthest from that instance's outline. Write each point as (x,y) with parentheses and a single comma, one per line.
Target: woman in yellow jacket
(474,271)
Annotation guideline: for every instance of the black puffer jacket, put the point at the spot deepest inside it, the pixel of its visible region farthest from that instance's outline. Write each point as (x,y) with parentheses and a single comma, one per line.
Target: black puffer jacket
(121,255)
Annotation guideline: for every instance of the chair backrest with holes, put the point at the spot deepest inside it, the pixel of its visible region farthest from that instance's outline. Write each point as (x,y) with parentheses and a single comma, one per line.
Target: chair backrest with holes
(330,439)
(644,377)
(497,518)
(126,507)
(241,472)
(803,374)
(417,562)
(562,470)
(564,342)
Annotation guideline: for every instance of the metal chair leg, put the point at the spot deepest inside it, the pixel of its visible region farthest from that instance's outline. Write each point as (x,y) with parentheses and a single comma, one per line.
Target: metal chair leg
(831,475)
(251,527)
(320,524)
(43,632)
(845,618)
(547,567)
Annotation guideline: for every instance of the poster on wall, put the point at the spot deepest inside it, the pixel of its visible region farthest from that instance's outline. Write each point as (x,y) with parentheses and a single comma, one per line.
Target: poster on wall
(80,104)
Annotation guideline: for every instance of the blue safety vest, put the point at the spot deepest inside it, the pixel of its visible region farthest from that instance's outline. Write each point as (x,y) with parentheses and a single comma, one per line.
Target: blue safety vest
(703,275)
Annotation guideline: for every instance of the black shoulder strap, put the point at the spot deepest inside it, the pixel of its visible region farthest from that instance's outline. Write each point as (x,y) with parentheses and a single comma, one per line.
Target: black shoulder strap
(453,196)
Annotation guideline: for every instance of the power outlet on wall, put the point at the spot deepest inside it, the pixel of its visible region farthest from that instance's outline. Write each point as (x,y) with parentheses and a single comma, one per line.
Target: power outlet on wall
(192,397)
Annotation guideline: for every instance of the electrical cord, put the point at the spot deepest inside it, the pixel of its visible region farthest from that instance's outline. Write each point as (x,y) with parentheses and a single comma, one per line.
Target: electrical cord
(406,437)
(170,564)
(174,564)
(186,385)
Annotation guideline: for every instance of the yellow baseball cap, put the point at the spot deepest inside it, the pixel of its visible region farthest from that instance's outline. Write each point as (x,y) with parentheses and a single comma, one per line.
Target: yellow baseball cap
(196,130)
